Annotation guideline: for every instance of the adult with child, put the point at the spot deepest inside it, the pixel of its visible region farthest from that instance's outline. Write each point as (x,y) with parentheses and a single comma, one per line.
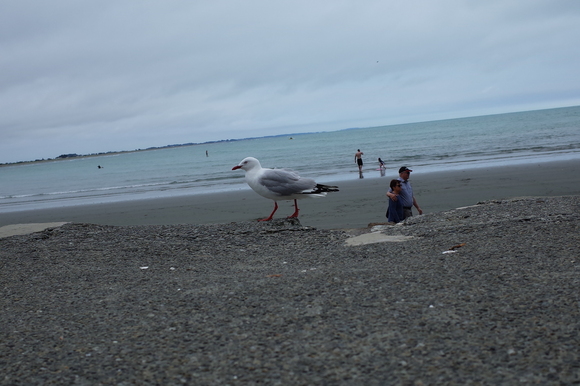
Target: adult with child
(406,196)
(395,210)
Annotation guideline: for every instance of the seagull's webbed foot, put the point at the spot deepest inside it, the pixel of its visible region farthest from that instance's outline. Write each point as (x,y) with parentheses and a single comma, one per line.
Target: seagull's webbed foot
(295,214)
(271,214)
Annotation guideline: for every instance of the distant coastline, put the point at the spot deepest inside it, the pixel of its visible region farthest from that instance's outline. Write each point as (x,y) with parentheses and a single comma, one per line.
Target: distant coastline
(74,155)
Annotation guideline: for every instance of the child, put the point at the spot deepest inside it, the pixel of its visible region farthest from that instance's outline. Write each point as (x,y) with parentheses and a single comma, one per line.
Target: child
(395,210)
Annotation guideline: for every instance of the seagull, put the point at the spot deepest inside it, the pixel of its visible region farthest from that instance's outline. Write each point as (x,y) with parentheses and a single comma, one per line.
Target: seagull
(280,184)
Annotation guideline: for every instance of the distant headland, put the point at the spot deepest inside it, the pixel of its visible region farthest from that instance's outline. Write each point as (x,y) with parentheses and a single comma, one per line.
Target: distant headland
(75,155)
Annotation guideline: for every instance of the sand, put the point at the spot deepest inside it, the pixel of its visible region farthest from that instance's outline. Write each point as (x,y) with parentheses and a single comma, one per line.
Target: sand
(359,202)
(23,229)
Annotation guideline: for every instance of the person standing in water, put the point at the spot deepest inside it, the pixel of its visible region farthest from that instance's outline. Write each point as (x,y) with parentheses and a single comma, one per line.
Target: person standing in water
(358,159)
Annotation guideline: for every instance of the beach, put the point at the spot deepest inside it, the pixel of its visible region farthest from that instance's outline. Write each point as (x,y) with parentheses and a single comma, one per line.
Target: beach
(481,289)
(482,295)
(359,202)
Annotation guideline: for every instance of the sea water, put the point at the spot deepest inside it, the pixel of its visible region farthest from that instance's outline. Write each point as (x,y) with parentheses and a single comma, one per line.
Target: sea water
(504,139)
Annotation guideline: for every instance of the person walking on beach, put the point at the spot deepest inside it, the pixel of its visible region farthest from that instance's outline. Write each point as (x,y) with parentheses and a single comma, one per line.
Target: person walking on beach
(395,210)
(358,159)
(406,196)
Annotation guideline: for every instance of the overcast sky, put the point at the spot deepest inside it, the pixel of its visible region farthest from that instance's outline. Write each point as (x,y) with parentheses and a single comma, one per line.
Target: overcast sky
(96,76)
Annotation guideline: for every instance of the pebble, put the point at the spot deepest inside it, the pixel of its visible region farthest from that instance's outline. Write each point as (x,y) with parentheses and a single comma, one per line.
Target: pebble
(279,303)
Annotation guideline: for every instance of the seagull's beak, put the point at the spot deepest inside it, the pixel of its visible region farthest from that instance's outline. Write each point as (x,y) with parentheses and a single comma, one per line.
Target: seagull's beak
(236,167)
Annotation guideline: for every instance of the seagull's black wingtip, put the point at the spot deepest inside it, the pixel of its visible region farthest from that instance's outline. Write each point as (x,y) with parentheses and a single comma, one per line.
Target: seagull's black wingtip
(325,188)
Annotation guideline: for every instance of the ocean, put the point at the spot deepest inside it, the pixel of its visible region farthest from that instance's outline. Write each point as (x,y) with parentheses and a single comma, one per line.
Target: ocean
(453,144)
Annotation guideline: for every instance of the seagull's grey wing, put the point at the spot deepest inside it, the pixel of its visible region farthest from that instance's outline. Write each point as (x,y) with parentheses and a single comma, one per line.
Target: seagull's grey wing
(285,182)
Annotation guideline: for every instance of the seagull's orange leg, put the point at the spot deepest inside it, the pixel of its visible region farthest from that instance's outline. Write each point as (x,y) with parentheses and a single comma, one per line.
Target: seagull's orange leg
(271,214)
(295,214)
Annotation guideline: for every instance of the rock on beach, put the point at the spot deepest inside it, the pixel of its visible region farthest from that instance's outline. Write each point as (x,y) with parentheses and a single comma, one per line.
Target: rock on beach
(487,294)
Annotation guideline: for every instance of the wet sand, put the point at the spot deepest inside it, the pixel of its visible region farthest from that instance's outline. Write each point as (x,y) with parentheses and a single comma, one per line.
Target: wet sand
(359,202)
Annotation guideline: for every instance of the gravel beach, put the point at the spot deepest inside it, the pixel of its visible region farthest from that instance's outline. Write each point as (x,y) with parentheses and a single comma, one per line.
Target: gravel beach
(488,294)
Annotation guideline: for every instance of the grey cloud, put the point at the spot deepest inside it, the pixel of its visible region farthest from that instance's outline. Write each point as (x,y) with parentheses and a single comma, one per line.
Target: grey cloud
(108,75)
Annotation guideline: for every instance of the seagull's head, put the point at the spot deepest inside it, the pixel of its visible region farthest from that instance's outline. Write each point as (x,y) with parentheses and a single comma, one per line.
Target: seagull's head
(248,163)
